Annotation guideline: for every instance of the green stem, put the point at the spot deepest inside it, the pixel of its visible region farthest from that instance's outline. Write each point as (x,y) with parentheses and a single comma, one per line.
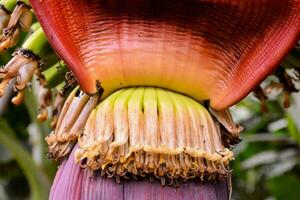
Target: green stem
(25,1)
(9,4)
(55,74)
(39,186)
(35,26)
(60,86)
(50,59)
(38,44)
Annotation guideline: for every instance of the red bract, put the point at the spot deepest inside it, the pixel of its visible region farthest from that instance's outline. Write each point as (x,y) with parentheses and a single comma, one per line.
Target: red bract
(212,50)
(209,50)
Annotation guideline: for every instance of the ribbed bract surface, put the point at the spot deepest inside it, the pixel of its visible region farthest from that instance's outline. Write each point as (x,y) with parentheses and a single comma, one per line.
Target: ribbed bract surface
(214,49)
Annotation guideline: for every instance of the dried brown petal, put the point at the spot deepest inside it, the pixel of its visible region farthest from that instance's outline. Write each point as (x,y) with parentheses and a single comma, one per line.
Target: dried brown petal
(231,130)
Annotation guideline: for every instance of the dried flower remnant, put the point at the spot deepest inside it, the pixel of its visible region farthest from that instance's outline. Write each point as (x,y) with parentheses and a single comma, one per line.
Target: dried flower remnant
(230,130)
(44,96)
(4,17)
(26,62)
(285,83)
(71,82)
(259,93)
(20,20)
(70,123)
(19,69)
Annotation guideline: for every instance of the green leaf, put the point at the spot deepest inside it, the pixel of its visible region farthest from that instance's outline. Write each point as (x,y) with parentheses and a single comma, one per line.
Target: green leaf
(292,129)
(39,185)
(285,187)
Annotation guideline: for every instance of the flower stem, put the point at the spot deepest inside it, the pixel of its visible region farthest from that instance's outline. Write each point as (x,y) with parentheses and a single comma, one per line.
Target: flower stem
(55,74)
(37,43)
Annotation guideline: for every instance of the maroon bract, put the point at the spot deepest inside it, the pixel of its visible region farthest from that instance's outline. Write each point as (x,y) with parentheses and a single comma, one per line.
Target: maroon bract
(71,182)
(209,50)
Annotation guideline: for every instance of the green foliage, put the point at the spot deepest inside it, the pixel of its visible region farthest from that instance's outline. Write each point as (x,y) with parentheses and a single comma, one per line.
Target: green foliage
(38,185)
(285,187)
(267,160)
